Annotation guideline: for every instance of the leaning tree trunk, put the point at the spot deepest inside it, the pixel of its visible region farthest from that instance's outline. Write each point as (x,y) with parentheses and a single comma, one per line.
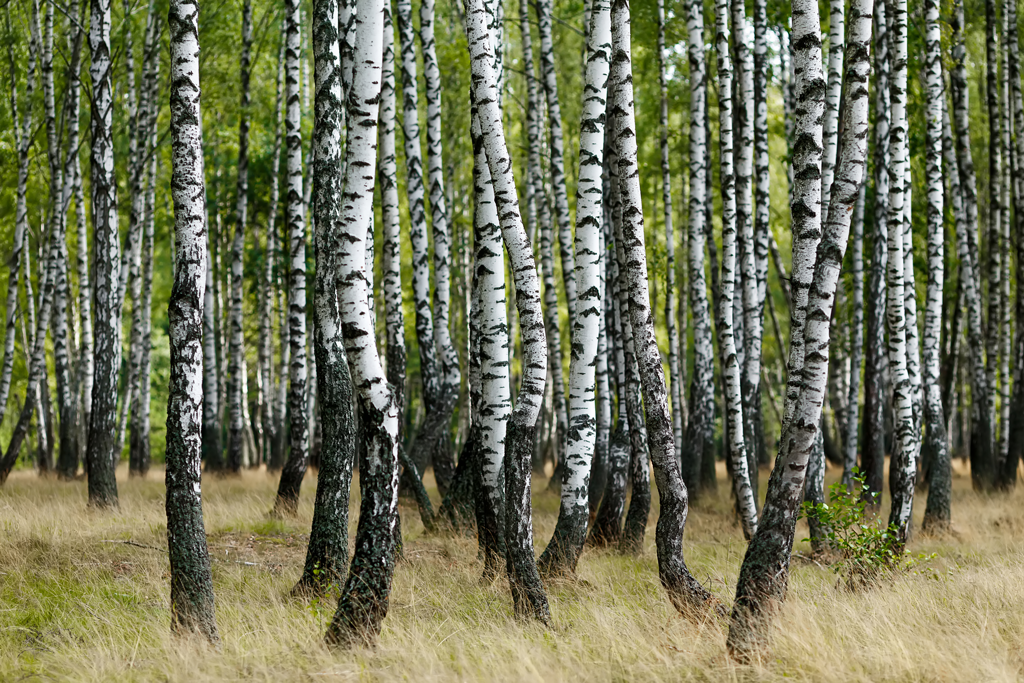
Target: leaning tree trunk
(562,553)
(903,467)
(298,432)
(935,422)
(685,591)
(736,447)
(364,600)
(765,571)
(700,430)
(100,457)
(528,594)
(236,348)
(327,554)
(192,608)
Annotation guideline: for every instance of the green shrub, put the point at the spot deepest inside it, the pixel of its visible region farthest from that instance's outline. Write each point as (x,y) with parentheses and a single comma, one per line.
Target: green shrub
(864,551)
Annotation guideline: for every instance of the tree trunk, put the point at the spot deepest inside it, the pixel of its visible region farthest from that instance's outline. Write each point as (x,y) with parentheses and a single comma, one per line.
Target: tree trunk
(903,467)
(327,554)
(684,590)
(236,348)
(545,9)
(850,442)
(875,390)
(562,553)
(939,478)
(700,430)
(528,595)
(298,433)
(364,601)
(192,602)
(100,456)
(765,571)
(736,447)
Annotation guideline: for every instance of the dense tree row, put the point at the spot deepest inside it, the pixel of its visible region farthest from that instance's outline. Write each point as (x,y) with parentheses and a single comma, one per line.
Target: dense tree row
(445,335)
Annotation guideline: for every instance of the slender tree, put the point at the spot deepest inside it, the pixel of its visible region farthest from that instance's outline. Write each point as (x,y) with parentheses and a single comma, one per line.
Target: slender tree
(935,420)
(528,594)
(700,430)
(562,552)
(192,602)
(765,571)
(684,590)
(730,361)
(903,468)
(298,432)
(364,600)
(545,17)
(327,554)
(236,351)
(100,457)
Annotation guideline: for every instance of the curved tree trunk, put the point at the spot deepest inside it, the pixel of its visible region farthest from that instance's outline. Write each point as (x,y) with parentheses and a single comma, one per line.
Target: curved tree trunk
(684,590)
(192,603)
(528,594)
(765,571)
(364,600)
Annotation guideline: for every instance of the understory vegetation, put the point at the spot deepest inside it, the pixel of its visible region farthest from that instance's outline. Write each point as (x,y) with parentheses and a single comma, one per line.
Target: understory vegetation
(83,596)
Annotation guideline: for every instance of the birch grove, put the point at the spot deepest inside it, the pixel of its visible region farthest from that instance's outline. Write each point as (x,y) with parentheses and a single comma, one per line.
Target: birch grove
(570,285)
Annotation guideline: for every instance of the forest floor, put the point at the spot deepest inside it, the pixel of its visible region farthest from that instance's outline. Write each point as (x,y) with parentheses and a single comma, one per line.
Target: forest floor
(84,596)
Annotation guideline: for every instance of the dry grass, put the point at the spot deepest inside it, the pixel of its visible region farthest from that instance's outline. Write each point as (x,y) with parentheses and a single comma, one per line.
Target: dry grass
(78,603)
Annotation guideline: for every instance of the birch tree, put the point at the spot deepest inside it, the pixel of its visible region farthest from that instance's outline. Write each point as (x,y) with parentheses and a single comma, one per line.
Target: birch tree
(764,574)
(364,600)
(700,430)
(298,439)
(100,456)
(545,11)
(730,362)
(562,553)
(327,554)
(236,350)
(684,590)
(934,415)
(192,602)
(903,468)
(528,594)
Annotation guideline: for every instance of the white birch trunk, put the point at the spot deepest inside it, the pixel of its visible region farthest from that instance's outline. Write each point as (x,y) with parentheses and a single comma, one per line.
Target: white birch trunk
(736,447)
(765,571)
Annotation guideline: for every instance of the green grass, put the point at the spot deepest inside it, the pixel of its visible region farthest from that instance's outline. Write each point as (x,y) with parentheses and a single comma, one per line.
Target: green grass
(79,603)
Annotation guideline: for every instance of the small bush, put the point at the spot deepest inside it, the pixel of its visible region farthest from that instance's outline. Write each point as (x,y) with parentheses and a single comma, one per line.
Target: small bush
(865,551)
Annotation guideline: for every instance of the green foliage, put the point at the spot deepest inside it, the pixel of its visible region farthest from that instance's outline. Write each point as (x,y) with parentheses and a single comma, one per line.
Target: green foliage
(866,552)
